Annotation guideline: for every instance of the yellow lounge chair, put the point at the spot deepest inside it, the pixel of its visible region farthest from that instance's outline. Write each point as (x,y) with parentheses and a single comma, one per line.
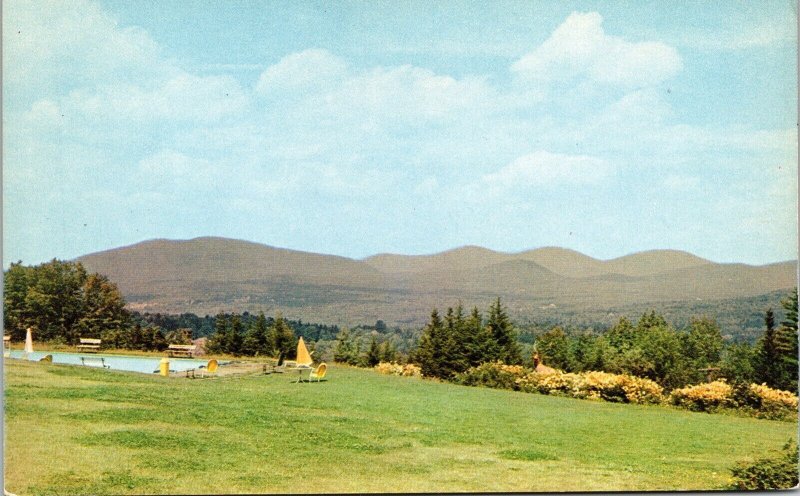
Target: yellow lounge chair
(211,368)
(318,373)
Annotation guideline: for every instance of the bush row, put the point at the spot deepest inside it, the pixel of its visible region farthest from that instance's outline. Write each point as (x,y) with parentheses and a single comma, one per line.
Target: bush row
(392,368)
(753,399)
(758,400)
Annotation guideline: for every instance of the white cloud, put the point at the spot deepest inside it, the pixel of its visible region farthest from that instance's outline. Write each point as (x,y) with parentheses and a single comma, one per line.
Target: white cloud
(543,168)
(182,97)
(308,69)
(69,44)
(579,46)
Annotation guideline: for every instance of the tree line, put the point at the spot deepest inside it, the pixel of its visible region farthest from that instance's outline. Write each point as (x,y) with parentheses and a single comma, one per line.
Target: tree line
(654,349)
(62,302)
(650,348)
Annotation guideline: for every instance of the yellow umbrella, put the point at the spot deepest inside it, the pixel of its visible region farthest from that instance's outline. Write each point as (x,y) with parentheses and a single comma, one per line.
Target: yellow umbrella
(303,356)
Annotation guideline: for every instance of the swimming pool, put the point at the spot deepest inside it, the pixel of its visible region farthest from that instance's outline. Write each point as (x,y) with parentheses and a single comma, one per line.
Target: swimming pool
(146,365)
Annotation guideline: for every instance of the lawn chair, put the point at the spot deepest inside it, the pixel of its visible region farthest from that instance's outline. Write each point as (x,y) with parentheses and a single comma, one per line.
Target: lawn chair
(210,369)
(318,373)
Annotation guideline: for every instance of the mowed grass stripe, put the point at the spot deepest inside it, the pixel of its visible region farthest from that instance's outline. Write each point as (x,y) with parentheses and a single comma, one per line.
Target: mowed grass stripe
(78,430)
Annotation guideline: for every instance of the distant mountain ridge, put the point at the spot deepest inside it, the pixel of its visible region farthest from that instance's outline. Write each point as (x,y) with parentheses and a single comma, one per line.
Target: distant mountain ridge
(209,274)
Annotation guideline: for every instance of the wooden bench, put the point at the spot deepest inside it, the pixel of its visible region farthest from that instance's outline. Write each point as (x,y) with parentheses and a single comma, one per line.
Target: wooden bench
(89,344)
(186,350)
(95,362)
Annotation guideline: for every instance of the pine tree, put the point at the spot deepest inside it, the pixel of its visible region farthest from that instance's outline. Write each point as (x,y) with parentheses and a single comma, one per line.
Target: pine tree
(235,336)
(768,355)
(388,353)
(256,340)
(503,334)
(281,338)
(456,355)
(373,353)
(433,354)
(553,348)
(787,343)
(345,351)
(480,344)
(622,335)
(218,341)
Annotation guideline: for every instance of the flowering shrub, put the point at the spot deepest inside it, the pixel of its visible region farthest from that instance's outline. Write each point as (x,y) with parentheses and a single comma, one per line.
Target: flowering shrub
(703,397)
(594,385)
(643,391)
(492,374)
(764,402)
(756,400)
(774,396)
(391,368)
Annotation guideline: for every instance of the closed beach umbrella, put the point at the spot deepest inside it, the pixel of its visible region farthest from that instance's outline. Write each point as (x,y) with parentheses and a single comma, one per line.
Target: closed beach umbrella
(303,356)
(28,341)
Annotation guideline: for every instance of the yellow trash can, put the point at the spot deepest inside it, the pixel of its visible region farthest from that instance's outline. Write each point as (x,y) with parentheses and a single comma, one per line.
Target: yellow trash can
(165,366)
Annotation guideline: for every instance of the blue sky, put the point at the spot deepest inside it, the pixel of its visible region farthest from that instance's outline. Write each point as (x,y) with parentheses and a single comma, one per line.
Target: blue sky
(356,128)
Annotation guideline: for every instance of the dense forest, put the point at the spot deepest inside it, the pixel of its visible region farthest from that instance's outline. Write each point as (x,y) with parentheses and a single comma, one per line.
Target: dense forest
(62,302)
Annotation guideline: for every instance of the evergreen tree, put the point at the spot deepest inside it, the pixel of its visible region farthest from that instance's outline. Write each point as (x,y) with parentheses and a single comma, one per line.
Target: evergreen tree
(553,349)
(433,352)
(281,338)
(622,335)
(373,353)
(787,343)
(769,368)
(256,340)
(457,356)
(235,336)
(503,334)
(478,343)
(218,342)
(345,351)
(388,352)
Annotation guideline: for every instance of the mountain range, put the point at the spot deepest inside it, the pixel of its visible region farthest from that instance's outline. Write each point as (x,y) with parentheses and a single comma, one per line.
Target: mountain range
(208,275)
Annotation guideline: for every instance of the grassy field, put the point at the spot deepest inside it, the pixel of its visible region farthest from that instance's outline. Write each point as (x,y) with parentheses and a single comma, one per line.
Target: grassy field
(82,430)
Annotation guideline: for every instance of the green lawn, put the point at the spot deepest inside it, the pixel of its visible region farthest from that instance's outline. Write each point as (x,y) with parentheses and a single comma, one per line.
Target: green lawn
(81,430)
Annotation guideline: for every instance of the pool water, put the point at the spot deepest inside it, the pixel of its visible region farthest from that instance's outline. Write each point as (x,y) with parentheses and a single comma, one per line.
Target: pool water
(146,365)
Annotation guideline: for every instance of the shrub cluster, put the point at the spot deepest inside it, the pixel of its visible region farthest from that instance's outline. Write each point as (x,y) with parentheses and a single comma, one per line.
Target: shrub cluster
(757,400)
(760,400)
(586,385)
(492,374)
(621,388)
(391,368)
(705,397)
(772,472)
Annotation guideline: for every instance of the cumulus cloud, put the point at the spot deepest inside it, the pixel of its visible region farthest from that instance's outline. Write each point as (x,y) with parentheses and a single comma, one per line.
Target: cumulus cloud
(308,69)
(179,98)
(71,44)
(374,97)
(99,106)
(580,46)
(542,168)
